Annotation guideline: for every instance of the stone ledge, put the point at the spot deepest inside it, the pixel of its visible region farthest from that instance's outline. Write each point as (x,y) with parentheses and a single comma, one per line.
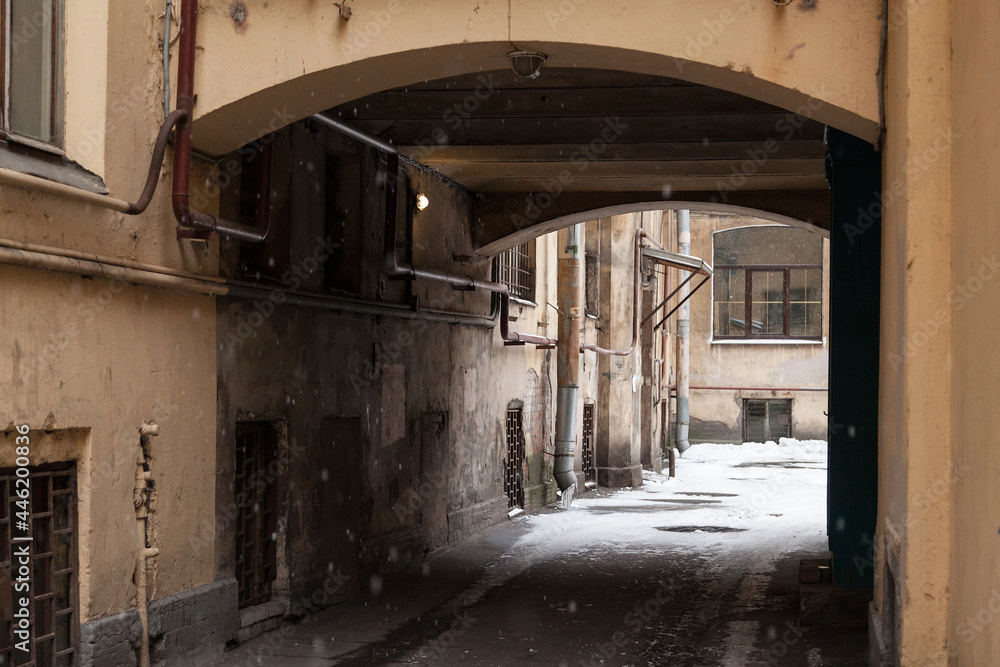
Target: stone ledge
(620,478)
(465,522)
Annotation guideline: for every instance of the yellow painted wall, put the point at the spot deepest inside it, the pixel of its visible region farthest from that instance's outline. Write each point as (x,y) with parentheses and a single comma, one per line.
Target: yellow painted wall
(915,375)
(306,59)
(974,613)
(102,357)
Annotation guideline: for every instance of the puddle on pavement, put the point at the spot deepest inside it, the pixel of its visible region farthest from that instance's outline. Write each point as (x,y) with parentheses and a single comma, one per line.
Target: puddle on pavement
(700,529)
(706,493)
(683,501)
(797,465)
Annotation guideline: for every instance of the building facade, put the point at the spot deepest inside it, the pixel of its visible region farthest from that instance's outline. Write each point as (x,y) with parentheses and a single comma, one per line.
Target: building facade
(167,379)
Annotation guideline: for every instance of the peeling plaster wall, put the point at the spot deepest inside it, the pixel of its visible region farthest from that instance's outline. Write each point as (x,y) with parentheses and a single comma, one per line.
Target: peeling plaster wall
(396,427)
(91,360)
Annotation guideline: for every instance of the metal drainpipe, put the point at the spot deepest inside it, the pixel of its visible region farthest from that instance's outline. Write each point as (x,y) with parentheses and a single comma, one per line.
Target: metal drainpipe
(683,340)
(568,363)
(640,234)
(200,222)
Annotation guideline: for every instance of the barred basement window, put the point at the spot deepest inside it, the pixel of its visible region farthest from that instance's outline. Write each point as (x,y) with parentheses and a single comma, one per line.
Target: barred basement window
(589,469)
(256,497)
(54,619)
(515,269)
(513,481)
(765,420)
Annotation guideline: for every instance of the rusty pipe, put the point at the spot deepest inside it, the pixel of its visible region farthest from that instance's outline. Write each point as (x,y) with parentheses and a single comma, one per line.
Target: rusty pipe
(156,162)
(640,234)
(130,208)
(181,196)
(399,271)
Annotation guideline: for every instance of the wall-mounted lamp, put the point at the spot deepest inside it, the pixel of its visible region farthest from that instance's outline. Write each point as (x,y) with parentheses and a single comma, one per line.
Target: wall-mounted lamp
(527,64)
(421,201)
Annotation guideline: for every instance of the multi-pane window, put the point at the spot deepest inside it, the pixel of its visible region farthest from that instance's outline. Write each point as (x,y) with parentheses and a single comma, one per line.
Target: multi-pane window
(53,608)
(515,269)
(768,283)
(31,71)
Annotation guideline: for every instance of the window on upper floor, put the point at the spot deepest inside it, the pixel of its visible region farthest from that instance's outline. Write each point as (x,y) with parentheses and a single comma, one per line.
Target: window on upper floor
(31,73)
(768,284)
(515,268)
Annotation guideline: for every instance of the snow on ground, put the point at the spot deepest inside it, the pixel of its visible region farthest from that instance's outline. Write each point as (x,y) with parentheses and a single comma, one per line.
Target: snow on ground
(739,509)
(773,491)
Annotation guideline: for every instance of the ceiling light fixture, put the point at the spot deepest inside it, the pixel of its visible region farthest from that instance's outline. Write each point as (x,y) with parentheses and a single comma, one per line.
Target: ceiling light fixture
(527,64)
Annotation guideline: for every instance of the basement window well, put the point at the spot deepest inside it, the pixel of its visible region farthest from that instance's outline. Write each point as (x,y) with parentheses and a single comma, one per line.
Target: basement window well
(55,622)
(766,419)
(513,478)
(256,496)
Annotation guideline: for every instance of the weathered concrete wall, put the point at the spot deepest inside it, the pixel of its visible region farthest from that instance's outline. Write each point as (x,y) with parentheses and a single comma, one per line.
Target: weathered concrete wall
(396,428)
(716,414)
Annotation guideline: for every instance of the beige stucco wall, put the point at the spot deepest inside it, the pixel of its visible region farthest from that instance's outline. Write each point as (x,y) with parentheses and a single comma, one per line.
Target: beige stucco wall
(147,355)
(102,357)
(306,59)
(974,589)
(916,379)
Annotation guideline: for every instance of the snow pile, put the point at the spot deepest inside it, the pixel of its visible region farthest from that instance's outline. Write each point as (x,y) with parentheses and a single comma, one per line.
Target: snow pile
(786,449)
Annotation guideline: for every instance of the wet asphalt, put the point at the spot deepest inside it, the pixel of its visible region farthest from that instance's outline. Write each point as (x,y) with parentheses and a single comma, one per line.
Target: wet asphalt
(490,600)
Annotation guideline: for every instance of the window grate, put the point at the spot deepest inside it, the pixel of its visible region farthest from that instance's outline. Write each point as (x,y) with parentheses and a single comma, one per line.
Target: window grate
(257,509)
(513,268)
(765,420)
(589,469)
(513,479)
(54,619)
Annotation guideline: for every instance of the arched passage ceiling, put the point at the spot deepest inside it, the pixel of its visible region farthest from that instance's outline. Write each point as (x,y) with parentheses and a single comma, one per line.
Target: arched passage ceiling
(576,143)
(262,62)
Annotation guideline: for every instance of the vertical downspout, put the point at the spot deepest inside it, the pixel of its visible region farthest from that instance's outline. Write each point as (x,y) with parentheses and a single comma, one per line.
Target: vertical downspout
(683,340)
(569,298)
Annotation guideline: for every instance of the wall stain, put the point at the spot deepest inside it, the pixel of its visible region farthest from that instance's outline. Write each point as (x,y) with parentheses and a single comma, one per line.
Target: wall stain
(240,15)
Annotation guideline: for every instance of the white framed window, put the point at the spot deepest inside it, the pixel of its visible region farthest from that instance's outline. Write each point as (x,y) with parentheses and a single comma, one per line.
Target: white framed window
(31,54)
(768,284)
